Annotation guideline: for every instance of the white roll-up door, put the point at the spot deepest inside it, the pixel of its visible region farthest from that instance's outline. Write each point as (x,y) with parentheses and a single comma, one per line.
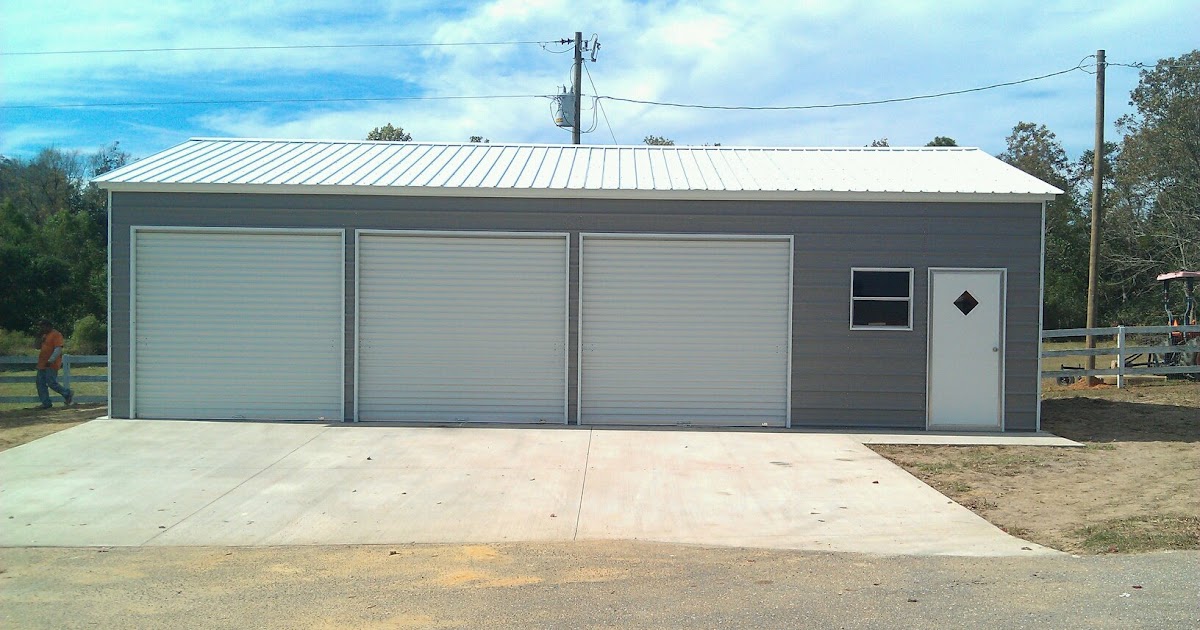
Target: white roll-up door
(238,324)
(462,327)
(685,330)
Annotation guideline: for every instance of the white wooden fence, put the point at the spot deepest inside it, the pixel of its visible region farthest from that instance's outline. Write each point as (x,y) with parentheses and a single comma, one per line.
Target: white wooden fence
(1156,357)
(64,377)
(1159,359)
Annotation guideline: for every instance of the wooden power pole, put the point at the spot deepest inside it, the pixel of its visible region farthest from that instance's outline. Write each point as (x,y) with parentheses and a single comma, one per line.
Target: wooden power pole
(1097,199)
(578,69)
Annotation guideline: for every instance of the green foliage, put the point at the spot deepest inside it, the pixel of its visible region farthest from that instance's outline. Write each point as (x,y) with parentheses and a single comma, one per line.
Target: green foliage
(1036,150)
(658,141)
(1153,212)
(89,336)
(53,237)
(389,133)
(479,139)
(882,142)
(941,141)
(15,343)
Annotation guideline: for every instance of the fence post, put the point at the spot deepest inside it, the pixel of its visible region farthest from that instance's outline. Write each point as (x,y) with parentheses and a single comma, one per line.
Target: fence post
(1120,357)
(66,379)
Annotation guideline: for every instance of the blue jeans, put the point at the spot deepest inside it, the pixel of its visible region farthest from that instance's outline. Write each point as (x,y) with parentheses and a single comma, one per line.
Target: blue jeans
(47,378)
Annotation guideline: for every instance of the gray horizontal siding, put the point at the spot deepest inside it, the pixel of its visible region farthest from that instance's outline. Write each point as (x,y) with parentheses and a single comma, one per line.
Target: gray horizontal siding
(839,377)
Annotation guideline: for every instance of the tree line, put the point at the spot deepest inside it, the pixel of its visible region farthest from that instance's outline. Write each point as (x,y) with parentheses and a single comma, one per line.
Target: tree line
(54,246)
(53,219)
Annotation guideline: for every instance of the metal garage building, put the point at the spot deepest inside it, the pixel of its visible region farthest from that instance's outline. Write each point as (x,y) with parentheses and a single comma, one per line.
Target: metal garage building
(720,286)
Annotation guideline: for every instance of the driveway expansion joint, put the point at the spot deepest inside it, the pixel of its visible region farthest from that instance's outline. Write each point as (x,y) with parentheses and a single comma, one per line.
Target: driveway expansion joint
(583,486)
(234,488)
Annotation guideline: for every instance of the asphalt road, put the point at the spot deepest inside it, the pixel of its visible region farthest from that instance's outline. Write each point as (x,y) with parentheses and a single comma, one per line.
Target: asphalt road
(585,585)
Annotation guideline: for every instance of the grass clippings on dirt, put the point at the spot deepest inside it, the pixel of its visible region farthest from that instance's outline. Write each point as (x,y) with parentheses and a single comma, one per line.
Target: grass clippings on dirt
(1132,488)
(1141,533)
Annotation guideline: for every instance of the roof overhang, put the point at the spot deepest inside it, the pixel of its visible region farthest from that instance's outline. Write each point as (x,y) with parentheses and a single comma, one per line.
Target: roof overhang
(547,193)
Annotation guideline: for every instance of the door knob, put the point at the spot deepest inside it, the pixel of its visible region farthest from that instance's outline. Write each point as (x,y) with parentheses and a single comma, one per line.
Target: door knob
(995,348)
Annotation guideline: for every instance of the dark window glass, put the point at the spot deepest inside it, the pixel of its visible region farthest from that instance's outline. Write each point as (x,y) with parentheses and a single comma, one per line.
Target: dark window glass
(879,313)
(880,284)
(966,302)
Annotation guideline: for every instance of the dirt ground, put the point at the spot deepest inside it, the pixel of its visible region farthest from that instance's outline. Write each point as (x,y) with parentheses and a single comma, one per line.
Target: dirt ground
(19,426)
(1133,487)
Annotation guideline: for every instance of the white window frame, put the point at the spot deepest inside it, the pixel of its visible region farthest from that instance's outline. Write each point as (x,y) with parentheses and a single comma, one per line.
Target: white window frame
(911,273)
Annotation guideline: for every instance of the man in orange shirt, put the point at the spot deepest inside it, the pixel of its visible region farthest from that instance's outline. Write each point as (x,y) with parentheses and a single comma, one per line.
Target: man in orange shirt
(49,362)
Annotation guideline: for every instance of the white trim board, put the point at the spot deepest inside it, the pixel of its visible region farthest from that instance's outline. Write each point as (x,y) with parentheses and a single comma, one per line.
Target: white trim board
(571,193)
(1041,319)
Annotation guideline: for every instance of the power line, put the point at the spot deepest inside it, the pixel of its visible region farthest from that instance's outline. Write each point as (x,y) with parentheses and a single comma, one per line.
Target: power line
(1077,67)
(280,47)
(1137,65)
(835,105)
(600,105)
(268,101)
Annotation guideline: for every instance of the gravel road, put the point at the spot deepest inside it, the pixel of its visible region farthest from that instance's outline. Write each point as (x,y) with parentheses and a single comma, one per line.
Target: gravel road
(590,584)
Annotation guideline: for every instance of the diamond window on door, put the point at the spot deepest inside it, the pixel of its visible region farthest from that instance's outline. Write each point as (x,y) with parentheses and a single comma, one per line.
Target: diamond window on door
(966,302)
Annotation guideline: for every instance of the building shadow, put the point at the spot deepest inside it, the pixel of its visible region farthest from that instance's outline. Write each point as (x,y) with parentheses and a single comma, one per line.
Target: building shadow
(1097,420)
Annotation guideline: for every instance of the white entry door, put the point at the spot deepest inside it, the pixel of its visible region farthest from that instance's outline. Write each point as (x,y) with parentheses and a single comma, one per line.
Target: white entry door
(966,348)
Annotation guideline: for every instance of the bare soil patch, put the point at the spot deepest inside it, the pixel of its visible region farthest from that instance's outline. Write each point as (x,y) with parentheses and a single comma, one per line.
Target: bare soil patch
(18,426)
(1131,488)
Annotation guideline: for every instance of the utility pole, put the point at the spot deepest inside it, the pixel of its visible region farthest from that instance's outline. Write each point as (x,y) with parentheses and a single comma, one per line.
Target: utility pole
(578,87)
(1097,198)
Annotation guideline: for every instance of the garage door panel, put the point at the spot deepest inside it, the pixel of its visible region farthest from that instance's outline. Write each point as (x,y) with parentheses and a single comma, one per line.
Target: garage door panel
(238,324)
(468,328)
(685,331)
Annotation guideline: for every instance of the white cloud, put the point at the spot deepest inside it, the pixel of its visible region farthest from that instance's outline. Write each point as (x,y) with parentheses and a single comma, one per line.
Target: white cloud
(715,52)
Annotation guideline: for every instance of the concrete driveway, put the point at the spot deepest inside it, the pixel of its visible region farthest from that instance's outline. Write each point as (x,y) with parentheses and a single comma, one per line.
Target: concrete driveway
(183,483)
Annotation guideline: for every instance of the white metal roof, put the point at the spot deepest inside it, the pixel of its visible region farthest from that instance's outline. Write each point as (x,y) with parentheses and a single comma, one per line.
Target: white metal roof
(530,170)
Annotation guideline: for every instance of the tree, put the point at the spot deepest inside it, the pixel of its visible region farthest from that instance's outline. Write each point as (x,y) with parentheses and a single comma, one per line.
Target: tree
(882,142)
(1154,218)
(480,139)
(53,237)
(1036,150)
(941,141)
(389,133)
(659,141)
(108,158)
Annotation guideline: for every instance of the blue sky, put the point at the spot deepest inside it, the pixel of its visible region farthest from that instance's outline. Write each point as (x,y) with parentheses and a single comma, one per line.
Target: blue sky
(723,52)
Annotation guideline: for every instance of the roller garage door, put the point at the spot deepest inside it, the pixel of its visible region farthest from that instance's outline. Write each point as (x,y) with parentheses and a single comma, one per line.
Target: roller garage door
(462,327)
(238,324)
(690,330)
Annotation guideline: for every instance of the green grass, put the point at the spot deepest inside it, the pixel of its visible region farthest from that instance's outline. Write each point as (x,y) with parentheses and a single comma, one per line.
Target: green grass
(1005,461)
(1141,533)
(29,389)
(1102,361)
(960,487)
